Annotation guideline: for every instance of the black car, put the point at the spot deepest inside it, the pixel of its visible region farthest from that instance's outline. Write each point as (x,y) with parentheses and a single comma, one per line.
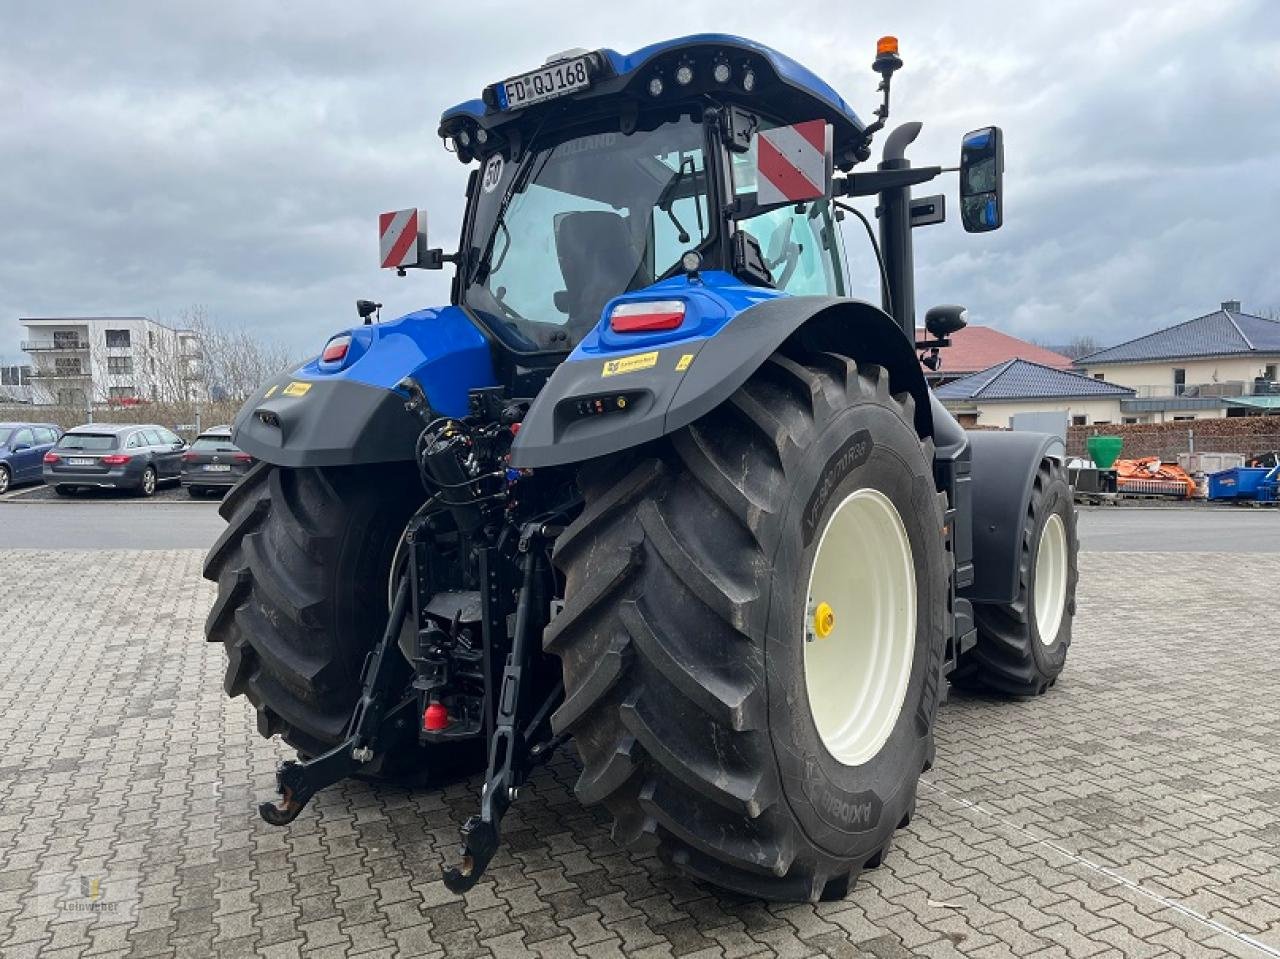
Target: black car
(111,456)
(22,447)
(213,464)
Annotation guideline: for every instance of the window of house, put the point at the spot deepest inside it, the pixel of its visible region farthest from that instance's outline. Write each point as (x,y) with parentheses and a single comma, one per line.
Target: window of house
(1079,420)
(117,338)
(1183,418)
(67,365)
(1271,371)
(1129,419)
(119,364)
(1179,381)
(65,339)
(120,392)
(1098,376)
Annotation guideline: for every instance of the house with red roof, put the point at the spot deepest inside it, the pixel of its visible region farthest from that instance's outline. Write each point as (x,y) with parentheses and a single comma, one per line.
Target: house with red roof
(978,348)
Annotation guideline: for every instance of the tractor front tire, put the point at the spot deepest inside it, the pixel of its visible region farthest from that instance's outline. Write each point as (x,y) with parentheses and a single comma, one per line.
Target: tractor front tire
(1022,646)
(302,571)
(687,608)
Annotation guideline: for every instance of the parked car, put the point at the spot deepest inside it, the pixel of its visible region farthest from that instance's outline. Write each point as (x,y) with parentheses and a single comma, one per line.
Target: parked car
(113,456)
(22,447)
(214,463)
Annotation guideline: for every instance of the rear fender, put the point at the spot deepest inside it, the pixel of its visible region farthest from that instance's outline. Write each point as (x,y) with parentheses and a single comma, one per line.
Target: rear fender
(1003,469)
(346,413)
(595,406)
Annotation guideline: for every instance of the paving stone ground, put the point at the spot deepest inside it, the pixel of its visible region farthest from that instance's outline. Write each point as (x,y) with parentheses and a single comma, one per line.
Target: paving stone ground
(1133,811)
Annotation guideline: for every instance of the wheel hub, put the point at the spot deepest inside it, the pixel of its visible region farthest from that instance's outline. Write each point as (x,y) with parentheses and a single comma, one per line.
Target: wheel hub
(858,665)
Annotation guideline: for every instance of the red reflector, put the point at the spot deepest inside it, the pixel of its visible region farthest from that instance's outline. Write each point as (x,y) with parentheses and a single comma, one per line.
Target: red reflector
(647,317)
(336,349)
(116,459)
(435,717)
(52,458)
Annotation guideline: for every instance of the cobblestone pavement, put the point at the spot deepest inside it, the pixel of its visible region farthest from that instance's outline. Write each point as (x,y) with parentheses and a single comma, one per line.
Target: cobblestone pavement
(1133,811)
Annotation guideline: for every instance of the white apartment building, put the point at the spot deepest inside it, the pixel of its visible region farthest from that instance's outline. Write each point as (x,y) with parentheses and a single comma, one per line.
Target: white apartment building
(80,360)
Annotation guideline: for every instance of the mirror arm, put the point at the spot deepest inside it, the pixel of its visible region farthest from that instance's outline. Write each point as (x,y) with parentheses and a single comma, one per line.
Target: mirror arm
(873,182)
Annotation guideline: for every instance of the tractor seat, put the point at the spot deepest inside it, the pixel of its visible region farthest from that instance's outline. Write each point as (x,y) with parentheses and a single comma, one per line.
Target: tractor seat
(597,260)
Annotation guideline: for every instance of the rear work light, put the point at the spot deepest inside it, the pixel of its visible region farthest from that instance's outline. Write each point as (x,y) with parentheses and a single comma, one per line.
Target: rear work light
(116,459)
(335,351)
(52,458)
(646,317)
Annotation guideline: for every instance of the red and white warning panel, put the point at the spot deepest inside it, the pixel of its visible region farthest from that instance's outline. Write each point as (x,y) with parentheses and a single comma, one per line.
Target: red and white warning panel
(793,163)
(403,238)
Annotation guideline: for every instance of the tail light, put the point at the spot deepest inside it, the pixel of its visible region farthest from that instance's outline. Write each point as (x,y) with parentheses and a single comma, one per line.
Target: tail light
(335,351)
(116,459)
(188,457)
(243,458)
(52,457)
(646,317)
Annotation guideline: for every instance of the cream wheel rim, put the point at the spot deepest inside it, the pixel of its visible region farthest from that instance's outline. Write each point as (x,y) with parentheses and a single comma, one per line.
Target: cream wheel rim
(859,626)
(1051,579)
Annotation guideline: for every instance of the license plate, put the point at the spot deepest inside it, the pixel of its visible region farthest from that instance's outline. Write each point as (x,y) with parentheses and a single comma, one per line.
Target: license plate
(545,84)
(217,468)
(80,461)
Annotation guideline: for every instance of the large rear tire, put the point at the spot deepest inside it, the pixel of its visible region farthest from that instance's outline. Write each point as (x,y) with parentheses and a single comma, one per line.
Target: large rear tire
(683,634)
(302,571)
(1022,646)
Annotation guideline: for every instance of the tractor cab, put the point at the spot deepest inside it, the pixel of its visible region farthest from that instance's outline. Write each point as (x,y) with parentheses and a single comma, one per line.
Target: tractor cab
(602,174)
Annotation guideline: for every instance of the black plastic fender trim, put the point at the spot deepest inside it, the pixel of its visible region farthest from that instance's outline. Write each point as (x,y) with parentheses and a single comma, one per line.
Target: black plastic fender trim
(677,383)
(1004,466)
(296,422)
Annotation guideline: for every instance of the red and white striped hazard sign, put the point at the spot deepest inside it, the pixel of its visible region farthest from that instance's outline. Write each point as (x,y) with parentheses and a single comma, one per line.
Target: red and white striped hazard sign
(399,238)
(793,163)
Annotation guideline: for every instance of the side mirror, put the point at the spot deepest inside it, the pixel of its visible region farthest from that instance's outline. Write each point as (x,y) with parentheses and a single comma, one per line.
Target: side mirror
(942,321)
(793,164)
(982,180)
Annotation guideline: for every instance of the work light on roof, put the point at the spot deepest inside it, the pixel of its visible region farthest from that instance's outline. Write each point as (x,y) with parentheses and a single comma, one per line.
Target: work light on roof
(655,87)
(684,74)
(749,80)
(721,72)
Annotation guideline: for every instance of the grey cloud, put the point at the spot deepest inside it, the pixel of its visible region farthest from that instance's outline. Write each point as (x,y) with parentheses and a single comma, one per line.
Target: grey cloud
(236,155)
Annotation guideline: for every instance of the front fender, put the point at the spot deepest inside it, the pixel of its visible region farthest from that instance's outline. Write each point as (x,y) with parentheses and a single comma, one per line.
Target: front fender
(325,414)
(597,405)
(1003,469)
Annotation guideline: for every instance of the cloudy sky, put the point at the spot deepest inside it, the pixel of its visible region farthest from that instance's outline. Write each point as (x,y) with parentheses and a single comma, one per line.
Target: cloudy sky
(154,156)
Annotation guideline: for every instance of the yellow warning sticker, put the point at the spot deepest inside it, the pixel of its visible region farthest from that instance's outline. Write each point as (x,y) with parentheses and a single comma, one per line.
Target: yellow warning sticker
(684,362)
(630,364)
(296,389)
(271,392)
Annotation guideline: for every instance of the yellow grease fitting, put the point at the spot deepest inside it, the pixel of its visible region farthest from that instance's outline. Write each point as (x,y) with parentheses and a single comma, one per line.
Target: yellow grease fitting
(824,620)
(629,364)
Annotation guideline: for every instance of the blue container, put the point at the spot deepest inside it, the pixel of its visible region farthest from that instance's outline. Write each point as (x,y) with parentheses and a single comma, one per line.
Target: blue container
(1239,483)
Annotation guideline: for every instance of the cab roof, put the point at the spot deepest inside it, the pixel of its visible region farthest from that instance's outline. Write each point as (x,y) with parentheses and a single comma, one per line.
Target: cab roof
(783,87)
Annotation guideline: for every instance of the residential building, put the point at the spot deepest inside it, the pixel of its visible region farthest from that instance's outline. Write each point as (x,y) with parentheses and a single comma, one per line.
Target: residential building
(978,348)
(76,361)
(15,383)
(1224,363)
(994,396)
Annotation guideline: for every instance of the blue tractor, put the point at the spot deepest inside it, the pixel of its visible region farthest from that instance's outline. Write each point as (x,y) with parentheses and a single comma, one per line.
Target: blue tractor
(651,484)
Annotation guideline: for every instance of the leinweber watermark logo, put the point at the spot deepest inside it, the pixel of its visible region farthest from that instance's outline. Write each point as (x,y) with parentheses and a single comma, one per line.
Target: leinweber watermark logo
(852,453)
(110,895)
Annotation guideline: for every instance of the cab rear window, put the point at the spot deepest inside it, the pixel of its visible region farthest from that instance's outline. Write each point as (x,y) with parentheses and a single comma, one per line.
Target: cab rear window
(94,442)
(214,444)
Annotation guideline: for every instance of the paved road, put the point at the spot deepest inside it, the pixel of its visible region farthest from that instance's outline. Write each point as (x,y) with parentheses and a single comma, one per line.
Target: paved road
(1133,811)
(1227,529)
(182,524)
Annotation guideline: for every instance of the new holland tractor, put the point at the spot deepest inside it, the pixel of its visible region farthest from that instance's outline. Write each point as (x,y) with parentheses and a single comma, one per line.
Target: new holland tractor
(651,486)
